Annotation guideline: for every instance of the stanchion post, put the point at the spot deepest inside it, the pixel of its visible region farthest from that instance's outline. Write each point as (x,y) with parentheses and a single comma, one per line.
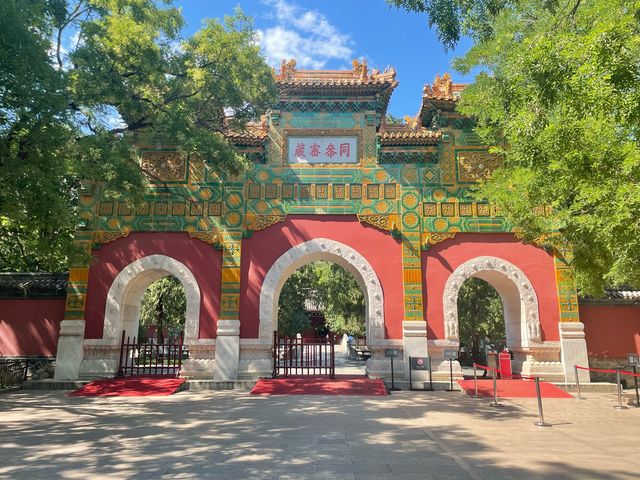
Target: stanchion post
(393,385)
(575,369)
(475,380)
(635,379)
(410,379)
(451,375)
(430,375)
(540,422)
(619,382)
(495,393)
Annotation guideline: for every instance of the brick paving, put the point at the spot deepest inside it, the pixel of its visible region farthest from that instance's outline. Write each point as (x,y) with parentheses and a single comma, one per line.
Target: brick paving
(232,435)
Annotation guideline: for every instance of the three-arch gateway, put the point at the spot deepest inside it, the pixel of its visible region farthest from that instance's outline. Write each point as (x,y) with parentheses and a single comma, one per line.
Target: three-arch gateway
(331,180)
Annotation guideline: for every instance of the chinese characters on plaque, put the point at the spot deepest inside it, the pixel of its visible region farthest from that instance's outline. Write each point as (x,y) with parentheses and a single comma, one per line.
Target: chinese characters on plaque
(314,150)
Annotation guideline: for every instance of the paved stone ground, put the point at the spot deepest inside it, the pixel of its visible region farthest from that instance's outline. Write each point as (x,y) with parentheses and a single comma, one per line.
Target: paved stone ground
(231,435)
(347,366)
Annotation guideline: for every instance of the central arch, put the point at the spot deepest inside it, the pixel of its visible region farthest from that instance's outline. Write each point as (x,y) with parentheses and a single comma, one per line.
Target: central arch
(332,251)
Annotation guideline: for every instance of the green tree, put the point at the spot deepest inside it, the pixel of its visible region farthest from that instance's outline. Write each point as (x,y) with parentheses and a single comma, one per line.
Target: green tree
(480,314)
(81,80)
(341,298)
(292,316)
(332,289)
(559,87)
(453,19)
(164,305)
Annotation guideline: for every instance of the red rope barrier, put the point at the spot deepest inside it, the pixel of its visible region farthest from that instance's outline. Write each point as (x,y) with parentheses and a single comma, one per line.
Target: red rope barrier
(514,375)
(483,367)
(602,370)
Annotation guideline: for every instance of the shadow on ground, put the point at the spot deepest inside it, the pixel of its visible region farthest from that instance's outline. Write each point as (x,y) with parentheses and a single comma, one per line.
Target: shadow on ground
(408,435)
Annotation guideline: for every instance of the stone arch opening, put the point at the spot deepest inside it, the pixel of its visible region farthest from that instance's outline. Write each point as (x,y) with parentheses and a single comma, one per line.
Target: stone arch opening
(519,300)
(321,298)
(122,310)
(331,251)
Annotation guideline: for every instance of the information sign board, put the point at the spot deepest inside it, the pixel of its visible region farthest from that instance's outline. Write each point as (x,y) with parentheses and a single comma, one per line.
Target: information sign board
(451,354)
(419,363)
(391,352)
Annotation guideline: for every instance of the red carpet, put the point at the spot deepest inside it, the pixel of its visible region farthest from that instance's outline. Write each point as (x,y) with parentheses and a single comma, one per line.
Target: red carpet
(513,389)
(304,385)
(130,387)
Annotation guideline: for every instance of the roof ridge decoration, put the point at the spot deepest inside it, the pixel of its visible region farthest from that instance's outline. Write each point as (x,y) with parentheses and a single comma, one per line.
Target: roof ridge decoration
(443,88)
(287,68)
(361,69)
(438,99)
(359,74)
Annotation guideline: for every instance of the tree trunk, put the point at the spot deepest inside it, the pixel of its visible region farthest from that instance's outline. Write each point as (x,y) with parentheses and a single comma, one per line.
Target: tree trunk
(160,318)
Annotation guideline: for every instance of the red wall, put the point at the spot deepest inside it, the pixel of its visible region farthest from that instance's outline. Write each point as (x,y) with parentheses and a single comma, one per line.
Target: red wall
(259,252)
(202,259)
(30,326)
(441,260)
(612,331)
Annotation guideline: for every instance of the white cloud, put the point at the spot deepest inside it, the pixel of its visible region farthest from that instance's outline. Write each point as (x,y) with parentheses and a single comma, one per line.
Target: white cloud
(305,35)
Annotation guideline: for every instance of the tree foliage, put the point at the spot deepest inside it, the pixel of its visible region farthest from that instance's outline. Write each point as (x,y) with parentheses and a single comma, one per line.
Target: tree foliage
(164,305)
(332,289)
(559,85)
(81,80)
(342,298)
(292,316)
(453,19)
(480,314)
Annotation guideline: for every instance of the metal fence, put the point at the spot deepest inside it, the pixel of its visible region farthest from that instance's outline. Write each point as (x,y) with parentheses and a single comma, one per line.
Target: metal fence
(161,359)
(300,356)
(13,372)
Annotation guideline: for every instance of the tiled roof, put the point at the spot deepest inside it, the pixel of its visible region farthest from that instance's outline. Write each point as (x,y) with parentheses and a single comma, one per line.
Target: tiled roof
(623,294)
(402,134)
(33,285)
(253,135)
(357,80)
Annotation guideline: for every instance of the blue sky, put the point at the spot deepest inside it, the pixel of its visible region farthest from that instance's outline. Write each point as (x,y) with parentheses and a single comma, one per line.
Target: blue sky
(330,33)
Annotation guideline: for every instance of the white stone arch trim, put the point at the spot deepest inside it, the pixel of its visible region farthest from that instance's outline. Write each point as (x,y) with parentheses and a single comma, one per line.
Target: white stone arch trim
(529,311)
(128,288)
(333,251)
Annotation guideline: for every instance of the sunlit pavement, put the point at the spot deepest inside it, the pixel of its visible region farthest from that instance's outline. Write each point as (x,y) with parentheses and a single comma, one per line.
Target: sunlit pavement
(409,435)
(349,366)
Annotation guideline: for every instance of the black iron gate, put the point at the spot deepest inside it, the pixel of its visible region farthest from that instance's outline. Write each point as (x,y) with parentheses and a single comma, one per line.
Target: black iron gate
(158,359)
(303,356)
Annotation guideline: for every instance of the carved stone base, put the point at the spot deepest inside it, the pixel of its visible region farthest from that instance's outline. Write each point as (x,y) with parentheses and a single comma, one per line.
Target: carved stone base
(414,337)
(379,366)
(201,362)
(442,372)
(198,368)
(255,359)
(573,350)
(70,350)
(100,361)
(227,350)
